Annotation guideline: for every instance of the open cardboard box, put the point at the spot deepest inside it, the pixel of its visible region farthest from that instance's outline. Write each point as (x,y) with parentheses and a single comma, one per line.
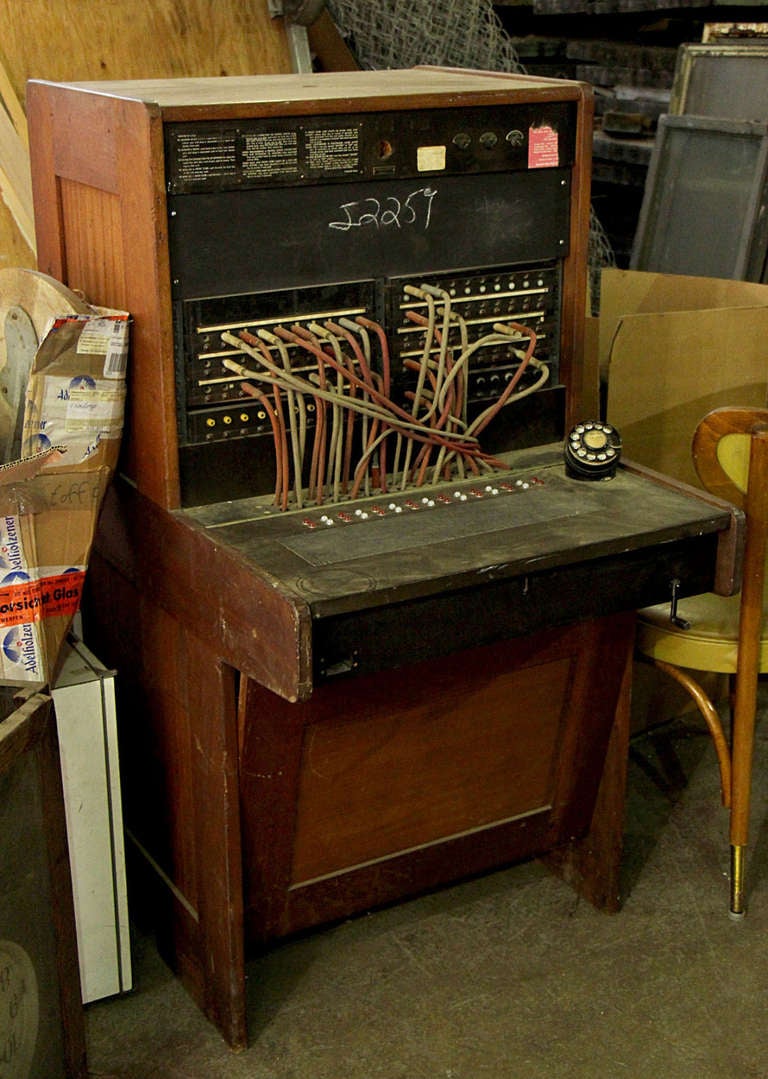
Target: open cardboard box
(50,498)
(670,348)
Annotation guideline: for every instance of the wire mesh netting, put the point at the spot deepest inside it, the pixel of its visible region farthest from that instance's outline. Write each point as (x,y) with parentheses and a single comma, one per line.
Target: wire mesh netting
(403,33)
(600,256)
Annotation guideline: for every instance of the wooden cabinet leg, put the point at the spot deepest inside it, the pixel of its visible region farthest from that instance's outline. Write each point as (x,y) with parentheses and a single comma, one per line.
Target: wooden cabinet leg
(592,865)
(212,703)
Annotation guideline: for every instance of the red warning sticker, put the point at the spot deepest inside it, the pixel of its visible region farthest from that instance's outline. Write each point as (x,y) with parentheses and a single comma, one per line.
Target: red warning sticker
(31,601)
(543,148)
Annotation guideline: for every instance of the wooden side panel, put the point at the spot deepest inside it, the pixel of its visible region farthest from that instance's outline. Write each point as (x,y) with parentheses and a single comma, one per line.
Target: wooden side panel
(250,622)
(162,806)
(146,647)
(101,229)
(156,766)
(177,714)
(95,259)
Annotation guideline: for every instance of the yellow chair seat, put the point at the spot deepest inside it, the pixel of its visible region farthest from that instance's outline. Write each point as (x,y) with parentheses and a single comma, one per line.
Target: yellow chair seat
(711,642)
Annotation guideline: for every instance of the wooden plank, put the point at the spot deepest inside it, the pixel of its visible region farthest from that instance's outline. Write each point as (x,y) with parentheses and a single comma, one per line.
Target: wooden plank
(134,39)
(138,39)
(12,103)
(15,182)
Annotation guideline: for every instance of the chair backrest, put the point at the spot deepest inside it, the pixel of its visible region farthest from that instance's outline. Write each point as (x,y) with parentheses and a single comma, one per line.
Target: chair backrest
(723,446)
(730,452)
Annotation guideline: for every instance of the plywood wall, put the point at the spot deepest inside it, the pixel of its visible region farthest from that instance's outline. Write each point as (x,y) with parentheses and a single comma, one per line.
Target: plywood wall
(129,39)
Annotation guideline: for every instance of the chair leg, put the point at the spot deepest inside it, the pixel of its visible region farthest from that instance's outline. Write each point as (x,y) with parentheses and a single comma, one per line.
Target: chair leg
(735,767)
(728,789)
(737,909)
(748,663)
(741,785)
(711,718)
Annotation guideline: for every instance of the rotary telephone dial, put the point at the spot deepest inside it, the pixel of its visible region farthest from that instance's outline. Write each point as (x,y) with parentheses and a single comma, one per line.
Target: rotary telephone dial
(592,450)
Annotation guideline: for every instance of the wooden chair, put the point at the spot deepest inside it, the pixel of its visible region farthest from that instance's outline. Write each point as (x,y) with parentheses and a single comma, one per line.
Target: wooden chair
(725,634)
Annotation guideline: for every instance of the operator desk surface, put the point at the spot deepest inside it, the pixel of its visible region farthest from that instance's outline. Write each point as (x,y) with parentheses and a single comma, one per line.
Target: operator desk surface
(512,552)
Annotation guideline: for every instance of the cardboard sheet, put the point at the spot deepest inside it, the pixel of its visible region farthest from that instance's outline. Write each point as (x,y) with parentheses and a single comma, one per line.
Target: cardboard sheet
(672,348)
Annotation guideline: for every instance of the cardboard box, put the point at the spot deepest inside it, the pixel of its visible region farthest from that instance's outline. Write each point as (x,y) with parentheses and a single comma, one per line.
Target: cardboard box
(671,348)
(50,499)
(76,392)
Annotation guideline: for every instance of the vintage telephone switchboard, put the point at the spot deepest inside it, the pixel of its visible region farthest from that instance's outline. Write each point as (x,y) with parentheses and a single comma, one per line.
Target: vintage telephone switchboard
(344,548)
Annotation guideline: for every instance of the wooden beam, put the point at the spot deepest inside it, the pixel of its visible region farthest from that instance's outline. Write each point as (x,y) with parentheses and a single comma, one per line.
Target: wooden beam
(15,181)
(12,104)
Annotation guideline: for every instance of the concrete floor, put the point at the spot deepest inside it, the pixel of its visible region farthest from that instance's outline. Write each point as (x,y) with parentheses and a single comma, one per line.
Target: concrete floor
(506,977)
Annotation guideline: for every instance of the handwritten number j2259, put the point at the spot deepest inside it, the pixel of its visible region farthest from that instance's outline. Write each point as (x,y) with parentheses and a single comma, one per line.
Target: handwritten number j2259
(416,210)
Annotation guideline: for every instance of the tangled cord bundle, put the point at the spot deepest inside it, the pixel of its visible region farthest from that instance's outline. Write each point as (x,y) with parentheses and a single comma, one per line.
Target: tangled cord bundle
(327,392)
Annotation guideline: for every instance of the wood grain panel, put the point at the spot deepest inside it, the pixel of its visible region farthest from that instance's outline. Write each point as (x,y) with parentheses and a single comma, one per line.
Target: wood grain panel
(177,707)
(563,682)
(135,39)
(165,802)
(94,252)
(132,39)
(449,764)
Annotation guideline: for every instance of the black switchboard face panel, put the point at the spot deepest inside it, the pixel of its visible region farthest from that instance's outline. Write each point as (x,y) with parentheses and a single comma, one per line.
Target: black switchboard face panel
(284,222)
(289,151)
(235,242)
